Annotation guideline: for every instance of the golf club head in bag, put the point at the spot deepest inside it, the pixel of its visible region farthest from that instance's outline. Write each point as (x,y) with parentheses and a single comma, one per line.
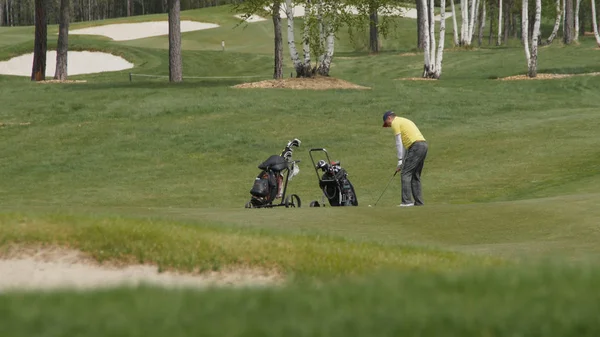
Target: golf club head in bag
(270,184)
(333,182)
(289,149)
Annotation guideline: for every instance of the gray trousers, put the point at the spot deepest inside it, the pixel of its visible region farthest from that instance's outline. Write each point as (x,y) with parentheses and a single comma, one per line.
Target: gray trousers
(411,173)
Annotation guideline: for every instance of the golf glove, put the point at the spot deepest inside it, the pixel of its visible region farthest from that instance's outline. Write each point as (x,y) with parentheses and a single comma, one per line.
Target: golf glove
(399,167)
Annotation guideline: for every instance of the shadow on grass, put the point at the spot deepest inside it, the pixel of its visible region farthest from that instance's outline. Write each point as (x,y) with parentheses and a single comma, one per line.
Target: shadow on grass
(145,84)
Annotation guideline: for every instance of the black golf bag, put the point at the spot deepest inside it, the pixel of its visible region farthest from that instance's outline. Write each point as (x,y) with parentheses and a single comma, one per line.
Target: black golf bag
(334,183)
(269,184)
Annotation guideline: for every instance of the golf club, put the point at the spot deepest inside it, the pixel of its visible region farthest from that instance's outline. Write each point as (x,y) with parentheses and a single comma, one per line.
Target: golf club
(386,186)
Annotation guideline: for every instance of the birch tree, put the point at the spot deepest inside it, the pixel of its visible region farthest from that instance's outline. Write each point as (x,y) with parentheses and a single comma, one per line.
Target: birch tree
(38,72)
(499,41)
(576,35)
(175,61)
(468,13)
(324,40)
(531,55)
(302,66)
(556,22)
(464,27)
(594,22)
(62,47)
(481,22)
(324,20)
(473,6)
(454,25)
(433,63)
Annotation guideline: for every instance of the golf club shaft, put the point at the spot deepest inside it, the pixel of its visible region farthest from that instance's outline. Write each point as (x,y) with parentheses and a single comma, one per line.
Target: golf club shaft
(386,186)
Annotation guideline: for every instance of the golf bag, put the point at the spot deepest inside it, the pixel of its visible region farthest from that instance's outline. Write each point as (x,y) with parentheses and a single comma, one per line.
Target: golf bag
(269,184)
(334,183)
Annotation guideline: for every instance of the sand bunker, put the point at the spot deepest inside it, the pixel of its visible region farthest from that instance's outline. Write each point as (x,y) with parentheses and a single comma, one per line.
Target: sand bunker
(316,83)
(545,76)
(251,18)
(79,62)
(132,31)
(47,269)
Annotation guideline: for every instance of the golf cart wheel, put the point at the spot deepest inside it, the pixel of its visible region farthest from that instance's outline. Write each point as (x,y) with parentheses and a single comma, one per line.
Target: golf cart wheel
(249,205)
(292,201)
(314,204)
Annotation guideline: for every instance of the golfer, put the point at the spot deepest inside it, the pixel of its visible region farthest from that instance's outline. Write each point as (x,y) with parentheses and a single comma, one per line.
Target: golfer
(411,149)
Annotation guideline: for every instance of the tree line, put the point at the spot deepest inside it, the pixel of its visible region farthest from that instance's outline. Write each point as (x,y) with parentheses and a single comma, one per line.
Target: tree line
(324,18)
(22,12)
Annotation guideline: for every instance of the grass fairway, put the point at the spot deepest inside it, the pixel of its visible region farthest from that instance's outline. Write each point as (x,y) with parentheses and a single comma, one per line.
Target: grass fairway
(543,301)
(152,172)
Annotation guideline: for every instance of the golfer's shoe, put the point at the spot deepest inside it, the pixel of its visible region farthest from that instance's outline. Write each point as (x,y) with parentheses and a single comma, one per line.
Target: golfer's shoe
(406,205)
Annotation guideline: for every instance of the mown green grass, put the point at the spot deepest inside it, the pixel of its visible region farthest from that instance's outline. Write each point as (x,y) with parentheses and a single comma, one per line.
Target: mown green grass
(545,300)
(207,246)
(147,171)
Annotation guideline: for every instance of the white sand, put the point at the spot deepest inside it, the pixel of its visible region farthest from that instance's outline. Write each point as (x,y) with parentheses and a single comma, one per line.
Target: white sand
(251,18)
(65,269)
(78,62)
(132,31)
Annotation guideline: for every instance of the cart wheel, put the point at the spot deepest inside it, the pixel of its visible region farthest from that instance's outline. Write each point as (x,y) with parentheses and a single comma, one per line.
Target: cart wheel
(249,205)
(292,201)
(314,204)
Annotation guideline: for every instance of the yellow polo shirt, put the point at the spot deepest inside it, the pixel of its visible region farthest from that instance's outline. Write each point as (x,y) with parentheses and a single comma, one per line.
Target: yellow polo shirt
(408,131)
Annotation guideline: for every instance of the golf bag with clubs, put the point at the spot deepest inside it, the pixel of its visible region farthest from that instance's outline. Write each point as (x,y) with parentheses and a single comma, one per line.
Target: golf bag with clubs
(270,185)
(334,182)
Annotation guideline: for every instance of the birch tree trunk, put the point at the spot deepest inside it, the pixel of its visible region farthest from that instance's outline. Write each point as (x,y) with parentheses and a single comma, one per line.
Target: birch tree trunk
(175,62)
(455,26)
(534,41)
(471,22)
(556,23)
(62,47)
(476,18)
(325,65)
(576,35)
(482,22)
(278,66)
(305,40)
(499,42)
(524,30)
(595,23)
(427,68)
(440,51)
(465,21)
(38,71)
(298,66)
(432,32)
